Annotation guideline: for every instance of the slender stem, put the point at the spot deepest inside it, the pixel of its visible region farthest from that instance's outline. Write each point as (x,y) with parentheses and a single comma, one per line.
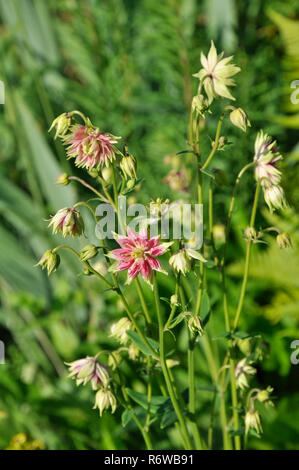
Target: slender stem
(83,203)
(88,266)
(237,439)
(149,395)
(81,181)
(169,385)
(142,301)
(173,308)
(247,259)
(217,137)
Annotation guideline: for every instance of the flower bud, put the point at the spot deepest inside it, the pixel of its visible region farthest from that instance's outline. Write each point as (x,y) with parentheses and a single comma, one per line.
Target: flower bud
(104,400)
(101,267)
(114,359)
(219,233)
(283,240)
(222,143)
(274,197)
(250,234)
(49,260)
(63,179)
(88,252)
(128,166)
(264,396)
(195,325)
(68,221)
(107,174)
(239,119)
(119,330)
(62,124)
(133,352)
(131,183)
(252,420)
(174,300)
(90,370)
(200,104)
(242,371)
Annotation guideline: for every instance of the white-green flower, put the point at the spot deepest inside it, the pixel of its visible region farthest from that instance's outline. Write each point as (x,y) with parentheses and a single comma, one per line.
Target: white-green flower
(181,261)
(105,399)
(216,74)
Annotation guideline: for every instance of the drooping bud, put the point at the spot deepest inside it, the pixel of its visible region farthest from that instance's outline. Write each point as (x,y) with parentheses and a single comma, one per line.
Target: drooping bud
(128,166)
(275,198)
(90,370)
(68,221)
(62,124)
(88,252)
(219,233)
(174,300)
(239,119)
(133,352)
(63,179)
(242,372)
(264,396)
(104,400)
(195,325)
(283,240)
(200,104)
(253,420)
(107,173)
(50,261)
(119,330)
(114,359)
(250,234)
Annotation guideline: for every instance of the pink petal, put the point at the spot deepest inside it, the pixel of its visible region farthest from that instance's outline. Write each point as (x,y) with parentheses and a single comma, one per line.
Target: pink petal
(121,253)
(145,269)
(124,265)
(158,250)
(154,263)
(134,269)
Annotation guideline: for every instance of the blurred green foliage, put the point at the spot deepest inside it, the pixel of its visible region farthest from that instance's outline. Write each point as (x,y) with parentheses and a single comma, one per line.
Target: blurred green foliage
(128,64)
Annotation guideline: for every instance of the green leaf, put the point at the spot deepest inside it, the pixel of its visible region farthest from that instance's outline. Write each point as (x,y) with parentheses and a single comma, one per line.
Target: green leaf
(138,341)
(126,417)
(157,402)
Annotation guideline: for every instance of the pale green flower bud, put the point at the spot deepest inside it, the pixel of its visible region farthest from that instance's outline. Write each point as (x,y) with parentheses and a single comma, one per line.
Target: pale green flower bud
(283,240)
(239,119)
(119,330)
(264,396)
(128,166)
(50,261)
(88,252)
(133,352)
(195,325)
(222,143)
(131,183)
(200,104)
(174,300)
(104,400)
(114,360)
(107,173)
(253,420)
(250,234)
(63,179)
(219,233)
(62,124)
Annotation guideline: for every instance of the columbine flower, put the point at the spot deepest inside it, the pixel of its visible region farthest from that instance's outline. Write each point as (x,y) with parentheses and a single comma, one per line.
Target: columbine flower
(90,147)
(177,180)
(283,240)
(88,252)
(119,329)
(266,157)
(239,119)
(62,124)
(50,261)
(243,369)
(138,254)
(181,261)
(275,198)
(133,352)
(128,166)
(253,420)
(68,221)
(216,74)
(90,370)
(105,399)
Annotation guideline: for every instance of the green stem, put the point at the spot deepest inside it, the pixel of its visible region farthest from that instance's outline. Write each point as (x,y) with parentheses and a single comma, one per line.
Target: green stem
(165,370)
(82,203)
(81,181)
(173,308)
(217,137)
(142,301)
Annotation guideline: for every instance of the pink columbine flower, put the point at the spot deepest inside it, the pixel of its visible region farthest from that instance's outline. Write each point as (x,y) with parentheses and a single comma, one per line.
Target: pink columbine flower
(90,147)
(89,369)
(266,158)
(138,254)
